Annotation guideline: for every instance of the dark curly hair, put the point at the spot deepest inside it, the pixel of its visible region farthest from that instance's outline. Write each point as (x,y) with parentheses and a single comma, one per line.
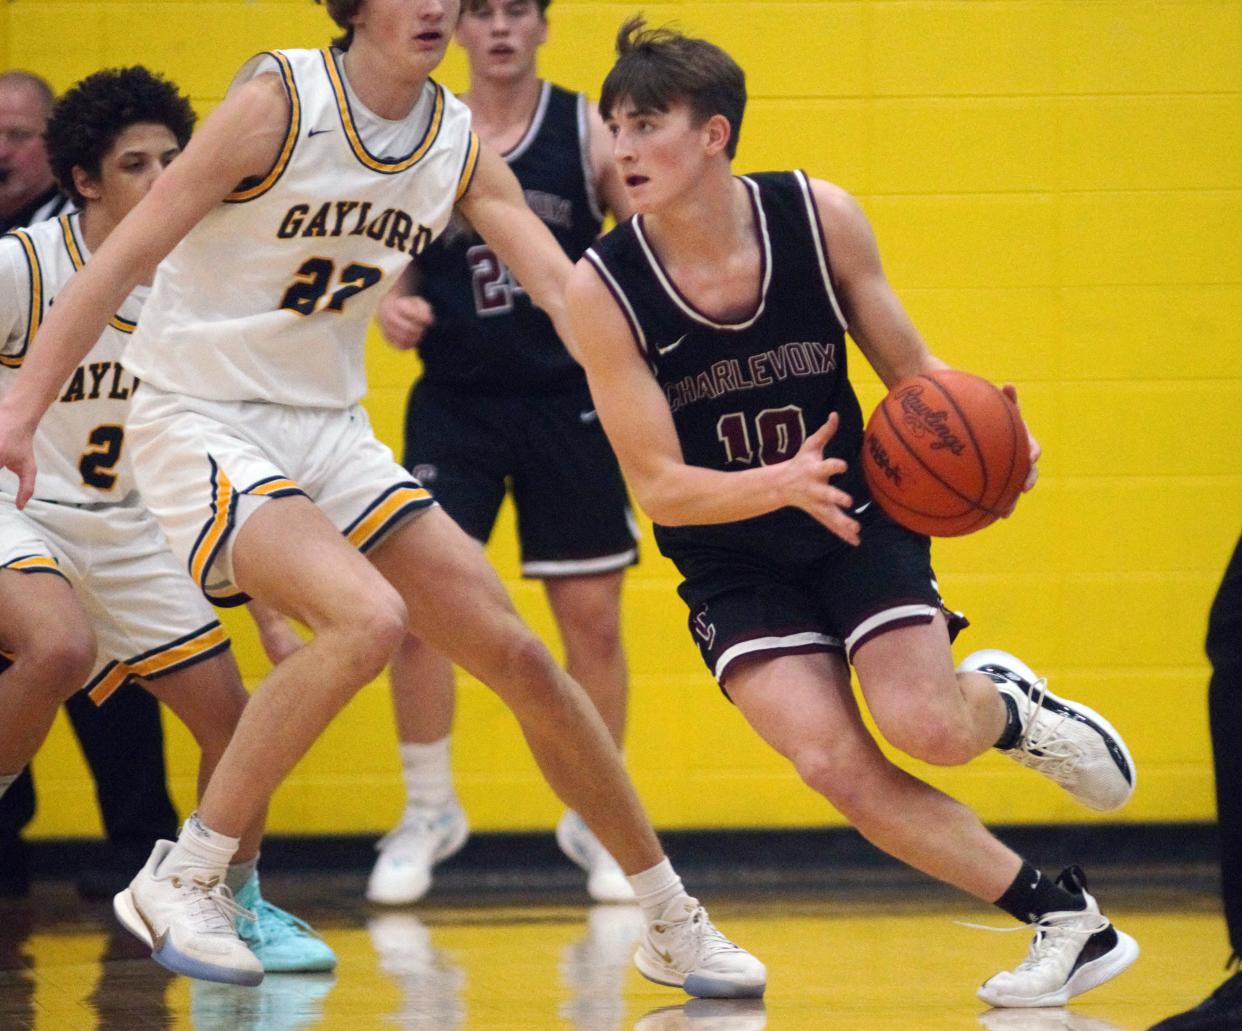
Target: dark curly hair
(659,67)
(91,114)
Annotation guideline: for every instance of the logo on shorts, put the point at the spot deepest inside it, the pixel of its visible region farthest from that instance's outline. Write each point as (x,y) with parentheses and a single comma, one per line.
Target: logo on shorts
(704,629)
(425,473)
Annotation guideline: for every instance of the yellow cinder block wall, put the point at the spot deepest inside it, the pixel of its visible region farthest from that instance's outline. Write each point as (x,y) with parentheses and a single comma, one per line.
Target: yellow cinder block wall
(1057,192)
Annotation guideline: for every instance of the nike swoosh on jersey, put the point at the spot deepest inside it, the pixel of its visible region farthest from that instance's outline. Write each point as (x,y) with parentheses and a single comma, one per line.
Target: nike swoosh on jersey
(590,415)
(670,347)
(316,132)
(862,508)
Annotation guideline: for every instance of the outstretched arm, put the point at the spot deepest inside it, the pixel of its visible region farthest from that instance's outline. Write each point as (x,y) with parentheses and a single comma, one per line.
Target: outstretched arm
(241,138)
(636,417)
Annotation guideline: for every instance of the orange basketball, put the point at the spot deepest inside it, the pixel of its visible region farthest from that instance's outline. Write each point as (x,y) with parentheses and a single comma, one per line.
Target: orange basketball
(945,453)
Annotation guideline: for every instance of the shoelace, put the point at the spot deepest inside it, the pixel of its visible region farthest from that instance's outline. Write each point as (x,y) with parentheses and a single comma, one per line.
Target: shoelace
(269,918)
(1058,757)
(1061,926)
(212,908)
(699,926)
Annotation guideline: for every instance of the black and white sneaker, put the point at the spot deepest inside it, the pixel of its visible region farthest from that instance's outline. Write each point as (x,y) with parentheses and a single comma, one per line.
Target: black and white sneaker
(1072,952)
(1065,741)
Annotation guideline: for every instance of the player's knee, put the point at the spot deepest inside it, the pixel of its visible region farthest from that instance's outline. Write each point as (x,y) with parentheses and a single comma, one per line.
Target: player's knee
(933,736)
(594,633)
(60,663)
(840,776)
(373,631)
(527,664)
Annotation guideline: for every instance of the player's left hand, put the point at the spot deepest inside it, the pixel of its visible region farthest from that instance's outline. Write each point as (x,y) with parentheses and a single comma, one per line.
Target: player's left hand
(1011,392)
(17,453)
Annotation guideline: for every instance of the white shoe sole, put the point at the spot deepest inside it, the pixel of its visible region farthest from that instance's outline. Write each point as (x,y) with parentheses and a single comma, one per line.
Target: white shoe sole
(1088,976)
(996,657)
(702,986)
(169,958)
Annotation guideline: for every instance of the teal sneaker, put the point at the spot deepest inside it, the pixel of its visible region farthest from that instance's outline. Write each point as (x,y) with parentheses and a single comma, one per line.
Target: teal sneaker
(283,943)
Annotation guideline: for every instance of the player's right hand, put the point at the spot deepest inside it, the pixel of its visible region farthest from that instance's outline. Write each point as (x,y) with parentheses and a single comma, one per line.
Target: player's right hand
(808,473)
(403,319)
(17,454)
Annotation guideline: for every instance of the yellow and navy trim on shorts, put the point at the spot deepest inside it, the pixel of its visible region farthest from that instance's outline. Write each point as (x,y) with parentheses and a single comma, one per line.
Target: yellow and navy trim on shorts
(74,247)
(364,156)
(249,189)
(219,525)
(35,563)
(34,299)
(177,655)
(386,512)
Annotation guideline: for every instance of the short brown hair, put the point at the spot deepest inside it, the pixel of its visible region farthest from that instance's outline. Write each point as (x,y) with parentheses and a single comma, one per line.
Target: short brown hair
(341,12)
(471,6)
(656,68)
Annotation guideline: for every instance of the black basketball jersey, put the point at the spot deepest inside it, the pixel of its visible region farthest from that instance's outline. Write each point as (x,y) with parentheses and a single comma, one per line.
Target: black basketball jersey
(487,334)
(748,392)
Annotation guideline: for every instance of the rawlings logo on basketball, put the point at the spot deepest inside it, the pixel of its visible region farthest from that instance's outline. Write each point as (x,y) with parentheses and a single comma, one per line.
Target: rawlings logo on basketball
(880,457)
(921,418)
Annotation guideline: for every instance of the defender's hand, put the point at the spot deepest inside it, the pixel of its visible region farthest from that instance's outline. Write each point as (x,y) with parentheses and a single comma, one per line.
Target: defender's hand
(403,319)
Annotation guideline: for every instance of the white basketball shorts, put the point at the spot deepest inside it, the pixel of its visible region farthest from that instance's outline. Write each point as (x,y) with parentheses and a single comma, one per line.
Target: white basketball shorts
(149,617)
(204,467)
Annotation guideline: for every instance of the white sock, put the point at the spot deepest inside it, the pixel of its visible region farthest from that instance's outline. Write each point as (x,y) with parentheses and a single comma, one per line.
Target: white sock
(201,849)
(6,782)
(428,773)
(239,873)
(655,888)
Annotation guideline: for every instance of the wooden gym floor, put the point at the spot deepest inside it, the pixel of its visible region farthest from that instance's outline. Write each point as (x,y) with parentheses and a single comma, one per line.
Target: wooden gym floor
(870,954)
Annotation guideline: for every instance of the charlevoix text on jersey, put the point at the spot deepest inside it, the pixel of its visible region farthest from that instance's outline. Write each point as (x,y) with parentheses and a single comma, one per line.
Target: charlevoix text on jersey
(729,375)
(392,227)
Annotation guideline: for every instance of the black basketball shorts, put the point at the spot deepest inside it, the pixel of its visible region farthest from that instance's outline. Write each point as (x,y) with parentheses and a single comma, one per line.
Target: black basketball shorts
(743,605)
(573,513)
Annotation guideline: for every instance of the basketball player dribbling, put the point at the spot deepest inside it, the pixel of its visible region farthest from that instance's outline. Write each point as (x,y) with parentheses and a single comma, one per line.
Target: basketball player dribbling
(317,178)
(712,329)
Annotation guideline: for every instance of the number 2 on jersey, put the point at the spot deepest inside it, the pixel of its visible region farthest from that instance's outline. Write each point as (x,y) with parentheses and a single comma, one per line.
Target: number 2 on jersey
(312,280)
(780,432)
(96,466)
(493,284)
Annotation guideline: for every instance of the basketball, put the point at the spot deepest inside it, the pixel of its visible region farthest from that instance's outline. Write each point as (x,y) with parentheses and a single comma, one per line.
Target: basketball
(945,453)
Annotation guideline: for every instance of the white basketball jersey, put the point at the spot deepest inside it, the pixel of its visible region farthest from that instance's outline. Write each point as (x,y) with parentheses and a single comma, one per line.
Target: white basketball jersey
(80,443)
(269,297)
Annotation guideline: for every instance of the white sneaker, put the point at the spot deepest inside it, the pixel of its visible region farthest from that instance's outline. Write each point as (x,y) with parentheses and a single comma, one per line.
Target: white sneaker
(424,837)
(1072,952)
(1065,741)
(187,918)
(684,950)
(605,880)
